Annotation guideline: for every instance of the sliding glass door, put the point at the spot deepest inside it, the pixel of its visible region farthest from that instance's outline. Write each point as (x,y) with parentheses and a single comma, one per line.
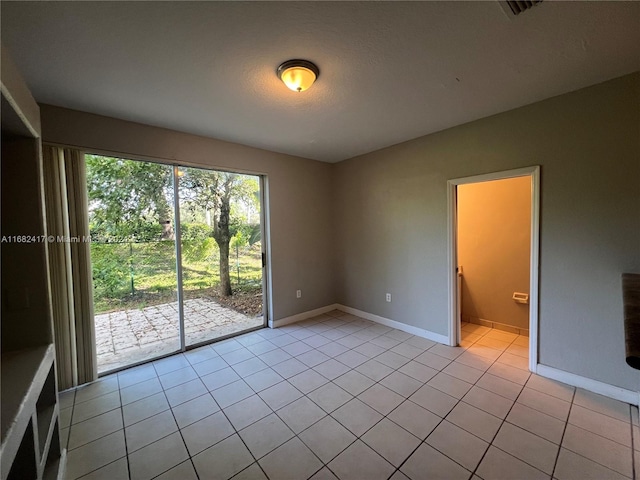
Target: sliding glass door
(176,256)
(221,244)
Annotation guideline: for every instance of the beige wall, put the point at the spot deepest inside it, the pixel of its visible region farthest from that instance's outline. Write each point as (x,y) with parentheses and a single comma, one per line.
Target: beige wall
(299,193)
(494,234)
(391,214)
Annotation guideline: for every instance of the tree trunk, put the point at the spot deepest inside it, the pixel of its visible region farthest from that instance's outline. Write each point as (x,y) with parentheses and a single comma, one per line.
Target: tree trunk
(222,237)
(225,278)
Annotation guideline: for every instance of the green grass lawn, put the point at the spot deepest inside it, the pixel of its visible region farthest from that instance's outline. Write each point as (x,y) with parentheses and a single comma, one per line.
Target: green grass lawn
(136,275)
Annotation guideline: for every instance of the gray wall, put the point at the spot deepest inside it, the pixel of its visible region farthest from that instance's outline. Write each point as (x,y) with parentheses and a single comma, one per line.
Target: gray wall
(299,194)
(391,211)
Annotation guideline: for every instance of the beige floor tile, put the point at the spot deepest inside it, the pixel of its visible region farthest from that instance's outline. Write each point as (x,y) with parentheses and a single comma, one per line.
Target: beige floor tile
(157,458)
(415,419)
(223,460)
(252,472)
(515,361)
(145,408)
(291,460)
(498,465)
(185,392)
(407,350)
(117,469)
(545,403)
(329,397)
(600,424)
(494,343)
(300,414)
(475,421)
(96,406)
(545,426)
(551,387)
(598,449)
(96,454)
(357,416)
(96,389)
(307,381)
(450,385)
(149,430)
(331,369)
(265,435)
(419,371)
(353,382)
(232,393)
(401,384)
(247,411)
(394,443)
(206,432)
(432,360)
(427,462)
(508,372)
(572,466)
(327,438)
(463,372)
(526,446)
(458,444)
(184,471)
(370,465)
(375,370)
(178,377)
(290,367)
(262,380)
(500,386)
(598,403)
(279,395)
(447,352)
(475,361)
(434,400)
(95,428)
(194,410)
(381,398)
(140,390)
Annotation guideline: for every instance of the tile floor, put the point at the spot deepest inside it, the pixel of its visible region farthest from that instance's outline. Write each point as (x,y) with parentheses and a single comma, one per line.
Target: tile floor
(341,397)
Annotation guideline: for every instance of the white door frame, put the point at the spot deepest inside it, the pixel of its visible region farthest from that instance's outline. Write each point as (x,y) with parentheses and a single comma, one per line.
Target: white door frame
(452,260)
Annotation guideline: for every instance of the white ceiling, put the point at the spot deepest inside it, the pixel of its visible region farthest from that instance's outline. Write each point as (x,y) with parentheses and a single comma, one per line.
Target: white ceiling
(389,71)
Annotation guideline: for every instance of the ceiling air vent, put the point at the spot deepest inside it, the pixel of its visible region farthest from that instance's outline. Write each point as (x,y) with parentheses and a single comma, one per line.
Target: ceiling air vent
(519,6)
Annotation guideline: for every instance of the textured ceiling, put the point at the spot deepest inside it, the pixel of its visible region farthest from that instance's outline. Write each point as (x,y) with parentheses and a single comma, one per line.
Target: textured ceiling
(389,71)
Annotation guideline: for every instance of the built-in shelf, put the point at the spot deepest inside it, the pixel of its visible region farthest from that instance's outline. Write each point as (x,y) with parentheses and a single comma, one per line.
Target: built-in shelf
(30,432)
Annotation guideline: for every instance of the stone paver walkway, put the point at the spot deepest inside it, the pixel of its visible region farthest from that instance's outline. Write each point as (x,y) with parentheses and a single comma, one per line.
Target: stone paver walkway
(130,336)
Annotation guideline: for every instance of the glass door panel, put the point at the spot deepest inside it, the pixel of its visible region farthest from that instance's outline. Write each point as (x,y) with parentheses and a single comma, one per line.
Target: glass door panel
(131,221)
(221,245)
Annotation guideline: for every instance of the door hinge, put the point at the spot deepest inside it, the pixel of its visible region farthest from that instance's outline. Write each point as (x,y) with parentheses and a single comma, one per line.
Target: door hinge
(264,260)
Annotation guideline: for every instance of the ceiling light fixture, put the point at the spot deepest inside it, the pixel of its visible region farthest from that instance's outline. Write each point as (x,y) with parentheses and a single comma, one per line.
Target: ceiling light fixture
(298,75)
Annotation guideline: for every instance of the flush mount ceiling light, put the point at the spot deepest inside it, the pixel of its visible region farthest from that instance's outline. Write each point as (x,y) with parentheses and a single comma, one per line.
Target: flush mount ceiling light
(298,75)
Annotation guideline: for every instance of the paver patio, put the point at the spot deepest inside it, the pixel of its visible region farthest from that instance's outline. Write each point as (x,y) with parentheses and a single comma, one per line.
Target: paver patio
(130,336)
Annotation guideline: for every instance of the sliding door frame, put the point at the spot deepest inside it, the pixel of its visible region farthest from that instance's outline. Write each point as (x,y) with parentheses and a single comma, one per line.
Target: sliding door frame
(267,305)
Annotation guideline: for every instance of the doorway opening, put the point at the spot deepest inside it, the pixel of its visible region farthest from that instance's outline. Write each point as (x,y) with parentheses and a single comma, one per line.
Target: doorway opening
(178,257)
(493,253)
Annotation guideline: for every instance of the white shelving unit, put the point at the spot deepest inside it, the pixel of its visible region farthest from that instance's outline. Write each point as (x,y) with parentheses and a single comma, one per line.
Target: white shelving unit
(30,432)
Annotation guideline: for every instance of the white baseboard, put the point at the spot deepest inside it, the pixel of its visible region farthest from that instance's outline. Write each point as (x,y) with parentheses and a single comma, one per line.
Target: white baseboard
(611,391)
(302,316)
(419,332)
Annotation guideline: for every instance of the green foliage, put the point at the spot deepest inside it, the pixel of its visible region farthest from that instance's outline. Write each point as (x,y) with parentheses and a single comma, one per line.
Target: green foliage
(195,231)
(127,197)
(111,272)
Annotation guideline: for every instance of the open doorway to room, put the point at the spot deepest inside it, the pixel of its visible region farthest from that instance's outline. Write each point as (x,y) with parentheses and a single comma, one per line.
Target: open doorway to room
(493,255)
(177,257)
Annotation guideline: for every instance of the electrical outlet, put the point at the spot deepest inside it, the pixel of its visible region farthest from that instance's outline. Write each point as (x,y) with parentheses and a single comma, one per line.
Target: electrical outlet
(298,293)
(388,297)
